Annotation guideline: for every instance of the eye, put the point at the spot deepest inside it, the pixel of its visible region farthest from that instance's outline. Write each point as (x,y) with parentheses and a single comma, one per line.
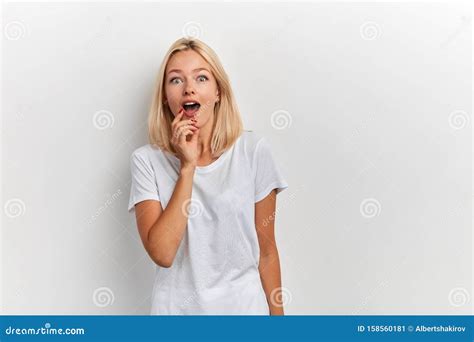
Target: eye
(172,81)
(202,78)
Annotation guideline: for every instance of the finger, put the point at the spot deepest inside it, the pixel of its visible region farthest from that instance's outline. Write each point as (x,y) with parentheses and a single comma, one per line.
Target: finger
(176,134)
(181,125)
(174,139)
(178,117)
(195,135)
(189,129)
(184,123)
(182,136)
(180,129)
(176,121)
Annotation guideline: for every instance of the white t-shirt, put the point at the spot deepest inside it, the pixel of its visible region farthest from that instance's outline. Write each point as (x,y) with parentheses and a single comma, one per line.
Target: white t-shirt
(215,271)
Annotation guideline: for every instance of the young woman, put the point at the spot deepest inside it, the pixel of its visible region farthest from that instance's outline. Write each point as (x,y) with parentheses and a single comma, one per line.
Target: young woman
(204,195)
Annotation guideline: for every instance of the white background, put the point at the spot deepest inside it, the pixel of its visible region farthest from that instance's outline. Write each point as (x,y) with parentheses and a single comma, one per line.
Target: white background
(367,108)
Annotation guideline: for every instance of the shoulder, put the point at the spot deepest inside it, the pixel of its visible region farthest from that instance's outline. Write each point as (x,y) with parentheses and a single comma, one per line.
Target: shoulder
(145,153)
(250,141)
(141,151)
(254,146)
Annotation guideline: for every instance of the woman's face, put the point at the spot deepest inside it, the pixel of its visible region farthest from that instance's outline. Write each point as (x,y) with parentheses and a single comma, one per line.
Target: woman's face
(188,79)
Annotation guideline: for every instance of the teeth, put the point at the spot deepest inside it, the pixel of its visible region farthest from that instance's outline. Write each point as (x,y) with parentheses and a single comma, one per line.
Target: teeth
(190,103)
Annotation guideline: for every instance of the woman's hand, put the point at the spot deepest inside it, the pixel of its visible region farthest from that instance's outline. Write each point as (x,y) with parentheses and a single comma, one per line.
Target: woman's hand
(186,149)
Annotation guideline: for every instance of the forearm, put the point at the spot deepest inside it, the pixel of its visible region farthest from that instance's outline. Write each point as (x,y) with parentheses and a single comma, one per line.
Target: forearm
(270,273)
(166,234)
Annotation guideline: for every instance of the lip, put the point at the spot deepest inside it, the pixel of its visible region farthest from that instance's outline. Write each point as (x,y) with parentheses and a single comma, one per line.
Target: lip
(185,113)
(189,100)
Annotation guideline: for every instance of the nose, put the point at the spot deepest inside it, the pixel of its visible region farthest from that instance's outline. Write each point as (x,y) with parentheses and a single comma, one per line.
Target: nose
(188,89)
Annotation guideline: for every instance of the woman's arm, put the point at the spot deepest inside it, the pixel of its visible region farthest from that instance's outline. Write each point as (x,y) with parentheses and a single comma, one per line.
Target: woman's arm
(161,231)
(269,266)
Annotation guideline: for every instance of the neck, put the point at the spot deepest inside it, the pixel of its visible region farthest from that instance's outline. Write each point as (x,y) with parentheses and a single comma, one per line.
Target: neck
(204,137)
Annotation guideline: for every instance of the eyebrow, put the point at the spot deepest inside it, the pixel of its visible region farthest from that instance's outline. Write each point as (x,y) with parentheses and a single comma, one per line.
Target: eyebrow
(178,70)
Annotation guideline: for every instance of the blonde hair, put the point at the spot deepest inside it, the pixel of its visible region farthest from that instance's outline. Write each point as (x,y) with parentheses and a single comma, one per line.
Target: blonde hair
(227,126)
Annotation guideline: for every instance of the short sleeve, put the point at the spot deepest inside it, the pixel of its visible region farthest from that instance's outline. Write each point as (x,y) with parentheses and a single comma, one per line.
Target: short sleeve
(143,184)
(268,175)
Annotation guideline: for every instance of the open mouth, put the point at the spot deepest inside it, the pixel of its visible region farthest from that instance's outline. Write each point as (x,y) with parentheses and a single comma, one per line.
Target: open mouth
(190,108)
